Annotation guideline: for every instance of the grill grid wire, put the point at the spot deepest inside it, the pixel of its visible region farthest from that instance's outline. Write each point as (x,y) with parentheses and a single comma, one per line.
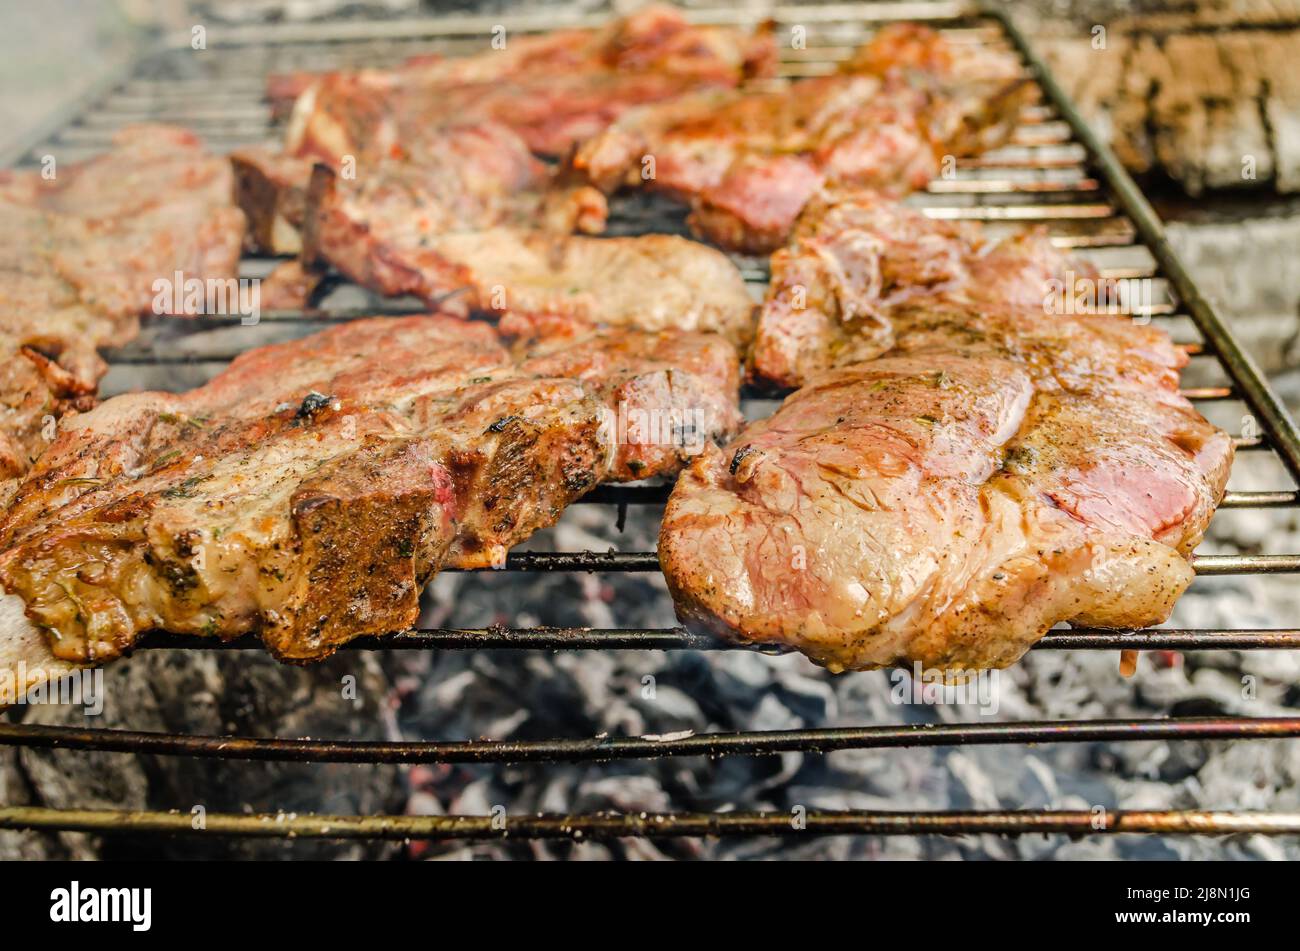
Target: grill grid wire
(1055,172)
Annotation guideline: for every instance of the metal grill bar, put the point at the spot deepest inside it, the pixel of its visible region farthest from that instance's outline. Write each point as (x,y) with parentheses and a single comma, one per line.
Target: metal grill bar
(610,748)
(649,561)
(679,638)
(658,494)
(604,826)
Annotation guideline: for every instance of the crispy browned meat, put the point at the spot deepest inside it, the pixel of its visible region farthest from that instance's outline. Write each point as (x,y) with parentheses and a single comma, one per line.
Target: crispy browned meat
(553,90)
(1002,468)
(748,162)
(79,255)
(665,394)
(309,491)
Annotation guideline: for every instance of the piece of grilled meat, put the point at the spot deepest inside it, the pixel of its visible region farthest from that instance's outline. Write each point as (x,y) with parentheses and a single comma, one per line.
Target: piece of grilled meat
(461,215)
(463,177)
(941,509)
(839,291)
(1001,468)
(748,162)
(554,90)
(485,252)
(309,491)
(80,251)
(665,394)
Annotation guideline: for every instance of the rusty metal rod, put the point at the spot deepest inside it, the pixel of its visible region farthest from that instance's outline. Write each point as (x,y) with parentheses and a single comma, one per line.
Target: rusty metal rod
(610,748)
(649,561)
(679,638)
(604,826)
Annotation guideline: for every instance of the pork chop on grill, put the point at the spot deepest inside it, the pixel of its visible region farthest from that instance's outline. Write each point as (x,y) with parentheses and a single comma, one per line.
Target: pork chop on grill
(941,509)
(857,261)
(473,176)
(553,90)
(748,162)
(1000,469)
(381,234)
(309,491)
(79,254)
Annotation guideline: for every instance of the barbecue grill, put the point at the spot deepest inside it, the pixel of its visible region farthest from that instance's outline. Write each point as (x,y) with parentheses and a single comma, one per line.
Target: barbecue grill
(1056,172)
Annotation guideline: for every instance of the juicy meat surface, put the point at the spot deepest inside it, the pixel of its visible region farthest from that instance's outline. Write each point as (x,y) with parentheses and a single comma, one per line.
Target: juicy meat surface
(665,394)
(309,491)
(748,162)
(383,235)
(941,509)
(840,292)
(999,469)
(475,176)
(79,254)
(553,90)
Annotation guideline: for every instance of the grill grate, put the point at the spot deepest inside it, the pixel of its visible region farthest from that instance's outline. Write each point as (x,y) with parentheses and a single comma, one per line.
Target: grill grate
(1055,172)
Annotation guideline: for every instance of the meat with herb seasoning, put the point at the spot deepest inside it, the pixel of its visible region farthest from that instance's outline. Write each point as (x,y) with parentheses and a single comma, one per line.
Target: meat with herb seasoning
(997,468)
(309,491)
(81,247)
(863,274)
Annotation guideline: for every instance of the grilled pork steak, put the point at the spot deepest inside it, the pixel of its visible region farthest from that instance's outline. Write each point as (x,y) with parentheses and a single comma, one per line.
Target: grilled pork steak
(462,177)
(552,90)
(748,162)
(383,235)
(79,254)
(999,470)
(309,491)
(941,509)
(843,290)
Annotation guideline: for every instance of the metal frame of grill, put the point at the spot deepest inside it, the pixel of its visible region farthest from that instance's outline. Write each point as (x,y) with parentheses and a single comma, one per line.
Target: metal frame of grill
(1056,172)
